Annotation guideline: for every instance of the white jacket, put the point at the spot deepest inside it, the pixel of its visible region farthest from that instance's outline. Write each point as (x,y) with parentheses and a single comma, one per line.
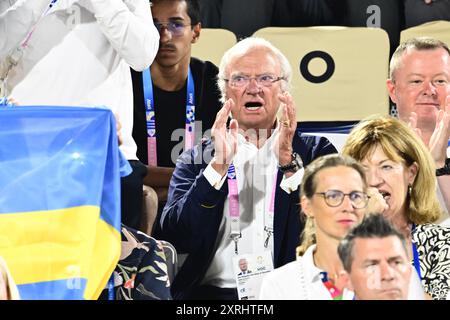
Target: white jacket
(79,54)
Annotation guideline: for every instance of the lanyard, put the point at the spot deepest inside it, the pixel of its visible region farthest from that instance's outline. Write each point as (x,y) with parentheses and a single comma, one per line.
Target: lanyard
(416,256)
(335,293)
(233,209)
(46,11)
(150,115)
(233,206)
(268,219)
(111,287)
(17,53)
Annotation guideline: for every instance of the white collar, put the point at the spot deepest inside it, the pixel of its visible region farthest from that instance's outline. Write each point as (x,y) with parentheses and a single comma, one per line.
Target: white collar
(312,273)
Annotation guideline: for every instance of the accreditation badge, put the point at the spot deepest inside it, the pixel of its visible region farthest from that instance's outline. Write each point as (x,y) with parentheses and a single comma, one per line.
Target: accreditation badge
(250,269)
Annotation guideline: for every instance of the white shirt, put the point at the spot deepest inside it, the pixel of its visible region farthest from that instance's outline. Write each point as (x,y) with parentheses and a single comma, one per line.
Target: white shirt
(297,280)
(255,172)
(80,54)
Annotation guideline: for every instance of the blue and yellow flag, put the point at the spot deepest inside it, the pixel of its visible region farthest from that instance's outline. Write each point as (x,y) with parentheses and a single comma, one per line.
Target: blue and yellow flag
(59,200)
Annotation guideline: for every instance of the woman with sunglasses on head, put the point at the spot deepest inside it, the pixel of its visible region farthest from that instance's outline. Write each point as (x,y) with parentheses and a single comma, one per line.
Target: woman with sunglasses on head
(334,199)
(401,176)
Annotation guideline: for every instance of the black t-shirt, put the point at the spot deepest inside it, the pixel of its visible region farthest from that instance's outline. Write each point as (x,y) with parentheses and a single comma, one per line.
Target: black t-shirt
(170,112)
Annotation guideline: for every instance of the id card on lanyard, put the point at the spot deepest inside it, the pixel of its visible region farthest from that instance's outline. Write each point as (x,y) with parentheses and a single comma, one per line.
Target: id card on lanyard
(234,214)
(149,101)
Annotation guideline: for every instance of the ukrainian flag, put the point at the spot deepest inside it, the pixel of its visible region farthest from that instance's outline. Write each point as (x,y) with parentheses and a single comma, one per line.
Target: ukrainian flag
(59,200)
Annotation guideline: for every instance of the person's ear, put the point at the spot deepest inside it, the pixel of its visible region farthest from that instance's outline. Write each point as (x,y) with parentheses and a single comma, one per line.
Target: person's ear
(412,171)
(392,90)
(306,207)
(344,281)
(196,32)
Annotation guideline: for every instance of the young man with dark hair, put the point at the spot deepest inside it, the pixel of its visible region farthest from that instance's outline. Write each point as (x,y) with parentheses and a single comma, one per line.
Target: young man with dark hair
(176,100)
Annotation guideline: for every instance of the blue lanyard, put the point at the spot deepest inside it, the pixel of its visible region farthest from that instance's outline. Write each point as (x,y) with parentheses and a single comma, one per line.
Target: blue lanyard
(150,109)
(416,256)
(190,103)
(148,100)
(111,287)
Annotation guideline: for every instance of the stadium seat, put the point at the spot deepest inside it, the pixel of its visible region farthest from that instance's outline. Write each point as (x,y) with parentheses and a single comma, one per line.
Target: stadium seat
(437,29)
(171,259)
(335,131)
(212,44)
(149,210)
(339,73)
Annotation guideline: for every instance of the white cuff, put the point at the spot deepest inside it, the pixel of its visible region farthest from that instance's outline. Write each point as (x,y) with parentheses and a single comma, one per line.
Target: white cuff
(214,178)
(291,184)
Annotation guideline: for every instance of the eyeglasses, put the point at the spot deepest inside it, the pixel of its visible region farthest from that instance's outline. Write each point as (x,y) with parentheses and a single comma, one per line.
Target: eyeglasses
(265,80)
(176,28)
(334,198)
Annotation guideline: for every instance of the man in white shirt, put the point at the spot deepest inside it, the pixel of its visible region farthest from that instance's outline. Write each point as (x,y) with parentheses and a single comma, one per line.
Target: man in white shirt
(78,53)
(238,194)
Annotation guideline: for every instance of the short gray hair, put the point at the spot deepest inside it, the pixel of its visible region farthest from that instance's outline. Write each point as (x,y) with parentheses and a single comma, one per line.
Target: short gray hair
(243,47)
(419,44)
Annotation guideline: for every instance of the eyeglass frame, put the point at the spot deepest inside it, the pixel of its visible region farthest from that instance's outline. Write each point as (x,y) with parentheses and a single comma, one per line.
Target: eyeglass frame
(324,195)
(249,79)
(165,24)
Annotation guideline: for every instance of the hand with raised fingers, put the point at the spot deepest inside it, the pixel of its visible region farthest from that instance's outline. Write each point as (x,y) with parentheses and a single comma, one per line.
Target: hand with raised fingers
(225,139)
(413,124)
(439,139)
(376,204)
(288,126)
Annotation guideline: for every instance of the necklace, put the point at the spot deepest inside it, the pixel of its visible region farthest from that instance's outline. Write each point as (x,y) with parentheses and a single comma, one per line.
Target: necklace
(335,293)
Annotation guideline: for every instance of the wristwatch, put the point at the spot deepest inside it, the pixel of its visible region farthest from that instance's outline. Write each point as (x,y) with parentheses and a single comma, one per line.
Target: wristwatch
(295,165)
(445,170)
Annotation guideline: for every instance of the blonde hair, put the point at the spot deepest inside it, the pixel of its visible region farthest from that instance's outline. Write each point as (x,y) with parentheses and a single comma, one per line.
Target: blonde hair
(309,186)
(11,289)
(400,144)
(419,44)
(308,237)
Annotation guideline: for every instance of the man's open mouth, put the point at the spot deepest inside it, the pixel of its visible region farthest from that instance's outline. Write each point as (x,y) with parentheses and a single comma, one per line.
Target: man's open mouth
(253,105)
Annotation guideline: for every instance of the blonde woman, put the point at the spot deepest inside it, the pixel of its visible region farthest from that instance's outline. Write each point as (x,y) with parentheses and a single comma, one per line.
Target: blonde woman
(402,185)
(333,198)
